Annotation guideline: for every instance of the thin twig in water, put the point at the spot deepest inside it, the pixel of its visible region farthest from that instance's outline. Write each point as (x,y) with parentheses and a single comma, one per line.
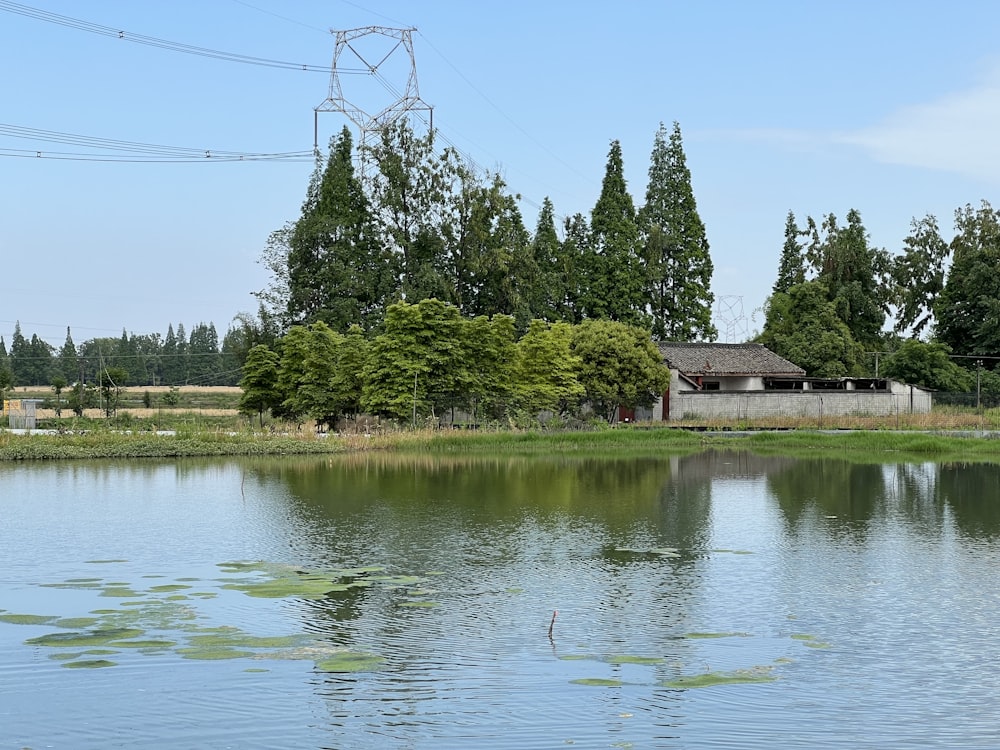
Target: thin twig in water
(553,622)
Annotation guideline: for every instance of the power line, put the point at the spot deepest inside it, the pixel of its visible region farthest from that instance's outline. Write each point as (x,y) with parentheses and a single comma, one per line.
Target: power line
(108,31)
(130,151)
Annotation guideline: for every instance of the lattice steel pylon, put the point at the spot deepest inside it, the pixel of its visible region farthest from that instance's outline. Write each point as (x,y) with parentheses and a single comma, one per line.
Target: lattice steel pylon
(732,323)
(407,100)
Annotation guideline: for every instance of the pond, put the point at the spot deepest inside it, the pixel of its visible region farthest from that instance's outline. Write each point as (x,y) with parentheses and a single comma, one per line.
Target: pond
(717,600)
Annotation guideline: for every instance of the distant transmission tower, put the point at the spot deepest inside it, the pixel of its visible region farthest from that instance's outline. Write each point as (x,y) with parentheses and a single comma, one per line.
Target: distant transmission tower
(730,320)
(384,53)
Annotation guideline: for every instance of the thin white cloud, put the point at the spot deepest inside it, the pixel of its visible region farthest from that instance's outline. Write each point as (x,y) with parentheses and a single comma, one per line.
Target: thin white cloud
(957,133)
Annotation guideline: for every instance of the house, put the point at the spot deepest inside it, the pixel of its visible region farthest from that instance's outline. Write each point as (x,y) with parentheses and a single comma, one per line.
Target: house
(737,382)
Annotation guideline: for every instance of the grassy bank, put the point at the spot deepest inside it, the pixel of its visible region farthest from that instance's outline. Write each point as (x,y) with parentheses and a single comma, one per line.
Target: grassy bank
(876,445)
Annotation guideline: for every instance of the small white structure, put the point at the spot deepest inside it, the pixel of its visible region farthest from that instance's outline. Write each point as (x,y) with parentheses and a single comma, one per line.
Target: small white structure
(20,413)
(737,382)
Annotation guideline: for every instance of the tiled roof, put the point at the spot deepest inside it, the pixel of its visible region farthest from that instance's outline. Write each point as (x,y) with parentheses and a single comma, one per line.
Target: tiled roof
(726,359)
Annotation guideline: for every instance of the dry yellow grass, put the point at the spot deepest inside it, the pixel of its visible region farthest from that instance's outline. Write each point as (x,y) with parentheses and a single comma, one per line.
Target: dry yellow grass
(140,413)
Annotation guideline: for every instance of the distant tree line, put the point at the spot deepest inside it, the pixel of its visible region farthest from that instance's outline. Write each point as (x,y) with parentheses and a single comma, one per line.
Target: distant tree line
(178,358)
(835,293)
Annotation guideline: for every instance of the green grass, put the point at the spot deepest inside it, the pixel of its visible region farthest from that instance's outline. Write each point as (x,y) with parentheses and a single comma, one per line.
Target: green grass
(858,445)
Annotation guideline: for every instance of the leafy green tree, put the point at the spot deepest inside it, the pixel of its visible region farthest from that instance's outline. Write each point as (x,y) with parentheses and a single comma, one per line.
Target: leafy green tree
(928,365)
(146,351)
(58,386)
(182,359)
(791,266)
(855,275)
(82,396)
(546,371)
(574,252)
(613,270)
(968,307)
(803,326)
(171,367)
(274,257)
(260,382)
(620,366)
(338,272)
(111,381)
(489,354)
(68,366)
(204,358)
(501,268)
(308,360)
(548,292)
(347,381)
(407,188)
(416,365)
(675,249)
(918,276)
(20,357)
(6,376)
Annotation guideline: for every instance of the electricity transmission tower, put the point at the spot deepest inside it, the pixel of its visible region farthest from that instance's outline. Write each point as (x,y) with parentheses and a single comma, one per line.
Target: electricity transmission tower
(386,55)
(731,321)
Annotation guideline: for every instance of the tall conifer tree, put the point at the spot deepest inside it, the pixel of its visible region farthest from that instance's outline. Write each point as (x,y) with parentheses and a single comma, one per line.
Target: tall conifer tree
(614,288)
(675,248)
(337,273)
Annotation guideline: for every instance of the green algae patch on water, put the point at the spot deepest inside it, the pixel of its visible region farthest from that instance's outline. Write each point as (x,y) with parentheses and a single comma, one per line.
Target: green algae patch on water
(98,637)
(632,659)
(239,640)
(149,644)
(712,679)
(809,640)
(121,592)
(61,656)
(169,587)
(213,654)
(90,664)
(350,661)
(28,619)
(597,682)
(76,623)
(306,587)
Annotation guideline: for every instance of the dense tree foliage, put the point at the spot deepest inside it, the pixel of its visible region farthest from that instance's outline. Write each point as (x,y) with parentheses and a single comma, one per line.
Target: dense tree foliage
(918,276)
(968,308)
(546,372)
(803,326)
(678,266)
(928,365)
(620,366)
(611,264)
(830,299)
(422,223)
(430,362)
(260,382)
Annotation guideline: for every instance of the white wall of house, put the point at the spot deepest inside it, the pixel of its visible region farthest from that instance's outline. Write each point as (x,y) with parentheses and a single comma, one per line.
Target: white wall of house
(817,404)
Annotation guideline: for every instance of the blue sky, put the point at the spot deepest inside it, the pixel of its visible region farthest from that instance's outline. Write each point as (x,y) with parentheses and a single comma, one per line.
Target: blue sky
(892,108)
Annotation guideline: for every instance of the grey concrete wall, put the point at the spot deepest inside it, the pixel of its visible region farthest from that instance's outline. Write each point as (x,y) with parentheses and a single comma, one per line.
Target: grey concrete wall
(762,404)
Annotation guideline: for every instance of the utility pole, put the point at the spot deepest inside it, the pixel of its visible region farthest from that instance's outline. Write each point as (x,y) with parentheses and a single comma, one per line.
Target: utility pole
(368,46)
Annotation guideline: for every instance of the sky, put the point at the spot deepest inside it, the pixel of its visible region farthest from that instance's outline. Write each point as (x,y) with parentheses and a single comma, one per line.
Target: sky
(891,108)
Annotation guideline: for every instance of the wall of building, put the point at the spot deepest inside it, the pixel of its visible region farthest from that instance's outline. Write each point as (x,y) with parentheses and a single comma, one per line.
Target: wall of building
(721,405)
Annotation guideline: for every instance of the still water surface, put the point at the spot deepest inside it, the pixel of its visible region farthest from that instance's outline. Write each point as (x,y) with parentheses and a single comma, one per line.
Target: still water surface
(839,605)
